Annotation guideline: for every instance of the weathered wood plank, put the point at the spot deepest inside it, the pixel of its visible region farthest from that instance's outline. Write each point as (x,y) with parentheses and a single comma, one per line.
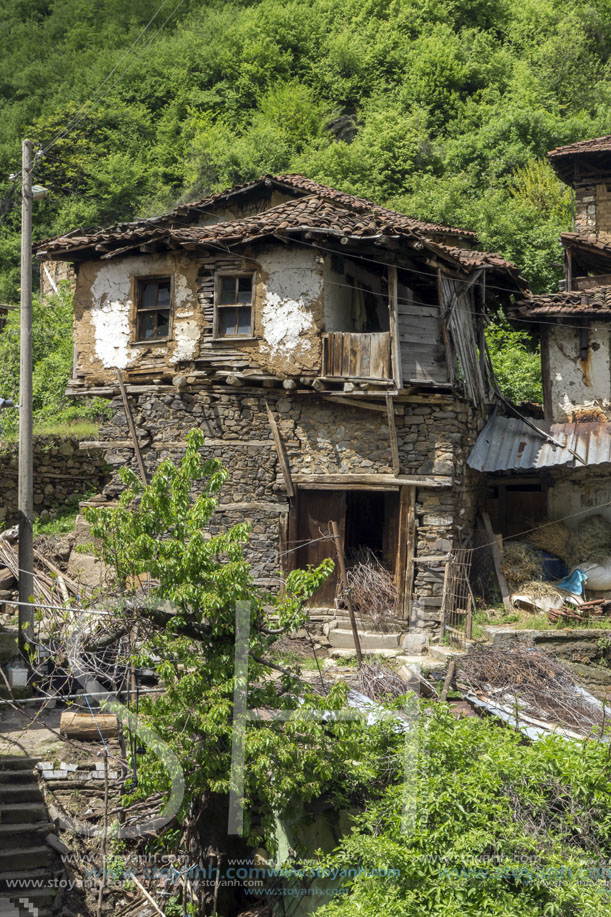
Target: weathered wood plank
(496,558)
(392,431)
(132,427)
(433,480)
(393,305)
(284,465)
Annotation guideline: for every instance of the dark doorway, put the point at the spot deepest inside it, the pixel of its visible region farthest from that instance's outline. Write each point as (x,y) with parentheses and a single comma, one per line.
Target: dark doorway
(365,519)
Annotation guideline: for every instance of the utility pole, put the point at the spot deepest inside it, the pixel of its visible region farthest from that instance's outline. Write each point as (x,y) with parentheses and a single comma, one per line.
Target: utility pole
(26,464)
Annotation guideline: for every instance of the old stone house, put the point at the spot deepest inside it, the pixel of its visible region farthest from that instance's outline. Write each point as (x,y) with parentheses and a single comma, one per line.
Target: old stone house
(532,479)
(331,350)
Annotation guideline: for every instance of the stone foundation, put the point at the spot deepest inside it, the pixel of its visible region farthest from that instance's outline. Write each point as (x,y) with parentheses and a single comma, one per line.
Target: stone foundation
(320,438)
(61,472)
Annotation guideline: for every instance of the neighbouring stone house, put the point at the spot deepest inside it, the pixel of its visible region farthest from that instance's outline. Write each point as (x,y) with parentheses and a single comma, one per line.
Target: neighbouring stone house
(531,479)
(331,350)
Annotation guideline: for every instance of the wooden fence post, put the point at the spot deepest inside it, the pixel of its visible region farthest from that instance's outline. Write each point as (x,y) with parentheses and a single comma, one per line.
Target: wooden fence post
(344,579)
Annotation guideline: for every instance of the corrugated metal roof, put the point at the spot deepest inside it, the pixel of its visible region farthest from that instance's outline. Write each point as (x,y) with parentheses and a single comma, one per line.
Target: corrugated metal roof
(508,444)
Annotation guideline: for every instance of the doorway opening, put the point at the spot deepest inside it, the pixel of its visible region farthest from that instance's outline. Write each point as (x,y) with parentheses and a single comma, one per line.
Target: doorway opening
(368,523)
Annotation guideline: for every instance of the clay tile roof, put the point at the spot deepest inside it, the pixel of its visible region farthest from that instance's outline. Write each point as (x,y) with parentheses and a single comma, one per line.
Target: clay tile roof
(586,240)
(308,214)
(308,187)
(471,258)
(597,145)
(595,301)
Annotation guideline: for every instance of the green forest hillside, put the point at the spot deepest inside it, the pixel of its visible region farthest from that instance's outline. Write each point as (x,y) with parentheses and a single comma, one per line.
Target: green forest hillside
(441,108)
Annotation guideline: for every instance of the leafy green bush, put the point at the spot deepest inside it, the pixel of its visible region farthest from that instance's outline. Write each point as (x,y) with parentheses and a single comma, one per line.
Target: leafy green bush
(52,355)
(482,825)
(516,361)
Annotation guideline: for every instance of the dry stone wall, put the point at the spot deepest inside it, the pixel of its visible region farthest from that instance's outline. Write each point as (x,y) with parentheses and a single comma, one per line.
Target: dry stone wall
(61,475)
(320,437)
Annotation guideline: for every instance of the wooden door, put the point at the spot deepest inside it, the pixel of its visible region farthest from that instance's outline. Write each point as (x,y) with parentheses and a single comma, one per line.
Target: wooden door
(316,509)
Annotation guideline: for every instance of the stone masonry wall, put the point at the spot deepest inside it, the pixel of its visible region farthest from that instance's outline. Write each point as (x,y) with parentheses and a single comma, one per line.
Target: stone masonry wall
(61,472)
(320,437)
(585,209)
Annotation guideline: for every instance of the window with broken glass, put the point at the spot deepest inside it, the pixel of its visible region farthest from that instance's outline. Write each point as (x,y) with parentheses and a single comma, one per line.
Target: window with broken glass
(234,305)
(154,306)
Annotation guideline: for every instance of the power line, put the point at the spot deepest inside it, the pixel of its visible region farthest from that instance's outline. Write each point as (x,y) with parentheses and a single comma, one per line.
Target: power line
(79,116)
(411,301)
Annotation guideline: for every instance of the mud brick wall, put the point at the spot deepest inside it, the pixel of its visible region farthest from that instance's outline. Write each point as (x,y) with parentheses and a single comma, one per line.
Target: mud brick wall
(585,209)
(320,437)
(61,475)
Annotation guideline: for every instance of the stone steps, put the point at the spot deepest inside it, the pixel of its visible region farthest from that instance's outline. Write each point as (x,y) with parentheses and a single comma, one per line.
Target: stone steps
(35,857)
(24,854)
(351,653)
(16,763)
(18,812)
(445,653)
(20,792)
(370,641)
(24,834)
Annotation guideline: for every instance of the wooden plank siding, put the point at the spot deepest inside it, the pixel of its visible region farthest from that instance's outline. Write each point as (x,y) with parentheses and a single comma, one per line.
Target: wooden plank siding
(352,355)
(459,316)
(423,356)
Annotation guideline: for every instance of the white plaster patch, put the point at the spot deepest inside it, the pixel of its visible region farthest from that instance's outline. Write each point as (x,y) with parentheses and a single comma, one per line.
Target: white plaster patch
(293,287)
(284,321)
(186,334)
(110,315)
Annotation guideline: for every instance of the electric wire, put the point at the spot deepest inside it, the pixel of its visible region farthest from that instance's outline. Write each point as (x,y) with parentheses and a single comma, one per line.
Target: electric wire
(73,124)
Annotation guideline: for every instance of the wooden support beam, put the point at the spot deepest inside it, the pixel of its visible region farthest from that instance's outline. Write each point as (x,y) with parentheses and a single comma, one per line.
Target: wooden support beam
(392,431)
(284,465)
(448,680)
(344,579)
(406,543)
(496,557)
(361,401)
(397,370)
(343,481)
(132,427)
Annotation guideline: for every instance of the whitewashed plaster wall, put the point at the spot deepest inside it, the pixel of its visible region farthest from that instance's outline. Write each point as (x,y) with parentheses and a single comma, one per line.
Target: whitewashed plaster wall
(287,313)
(583,497)
(109,342)
(289,307)
(576,383)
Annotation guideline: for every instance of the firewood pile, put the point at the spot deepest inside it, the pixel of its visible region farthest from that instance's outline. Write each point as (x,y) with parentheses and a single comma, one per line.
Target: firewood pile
(597,608)
(50,583)
(372,588)
(533,684)
(379,683)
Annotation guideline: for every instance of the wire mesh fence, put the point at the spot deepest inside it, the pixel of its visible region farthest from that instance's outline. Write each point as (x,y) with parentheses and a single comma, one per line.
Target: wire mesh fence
(458,601)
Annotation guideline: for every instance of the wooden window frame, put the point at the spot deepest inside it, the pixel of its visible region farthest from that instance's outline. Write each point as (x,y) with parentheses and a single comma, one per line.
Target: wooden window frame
(139,283)
(217,305)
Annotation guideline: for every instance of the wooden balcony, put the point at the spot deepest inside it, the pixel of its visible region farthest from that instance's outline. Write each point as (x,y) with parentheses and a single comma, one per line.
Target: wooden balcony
(354,355)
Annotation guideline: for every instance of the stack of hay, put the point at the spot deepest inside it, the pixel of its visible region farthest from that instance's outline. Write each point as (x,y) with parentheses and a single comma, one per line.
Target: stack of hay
(589,542)
(523,570)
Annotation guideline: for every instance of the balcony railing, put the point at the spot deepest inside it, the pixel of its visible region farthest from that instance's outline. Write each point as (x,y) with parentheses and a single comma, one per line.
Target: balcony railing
(357,355)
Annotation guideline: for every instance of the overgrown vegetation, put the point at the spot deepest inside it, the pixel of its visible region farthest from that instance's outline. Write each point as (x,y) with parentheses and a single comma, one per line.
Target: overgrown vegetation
(52,353)
(482,825)
(441,108)
(451,817)
(160,530)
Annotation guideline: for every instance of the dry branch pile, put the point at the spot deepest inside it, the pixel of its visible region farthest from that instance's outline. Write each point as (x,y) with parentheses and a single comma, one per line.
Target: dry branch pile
(372,588)
(380,684)
(538,685)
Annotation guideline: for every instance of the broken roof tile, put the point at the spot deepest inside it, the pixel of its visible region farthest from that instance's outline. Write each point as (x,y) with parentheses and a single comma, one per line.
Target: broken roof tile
(596,145)
(595,301)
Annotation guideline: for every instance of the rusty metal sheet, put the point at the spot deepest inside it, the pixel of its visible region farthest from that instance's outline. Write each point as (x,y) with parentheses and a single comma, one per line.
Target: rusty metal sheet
(508,444)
